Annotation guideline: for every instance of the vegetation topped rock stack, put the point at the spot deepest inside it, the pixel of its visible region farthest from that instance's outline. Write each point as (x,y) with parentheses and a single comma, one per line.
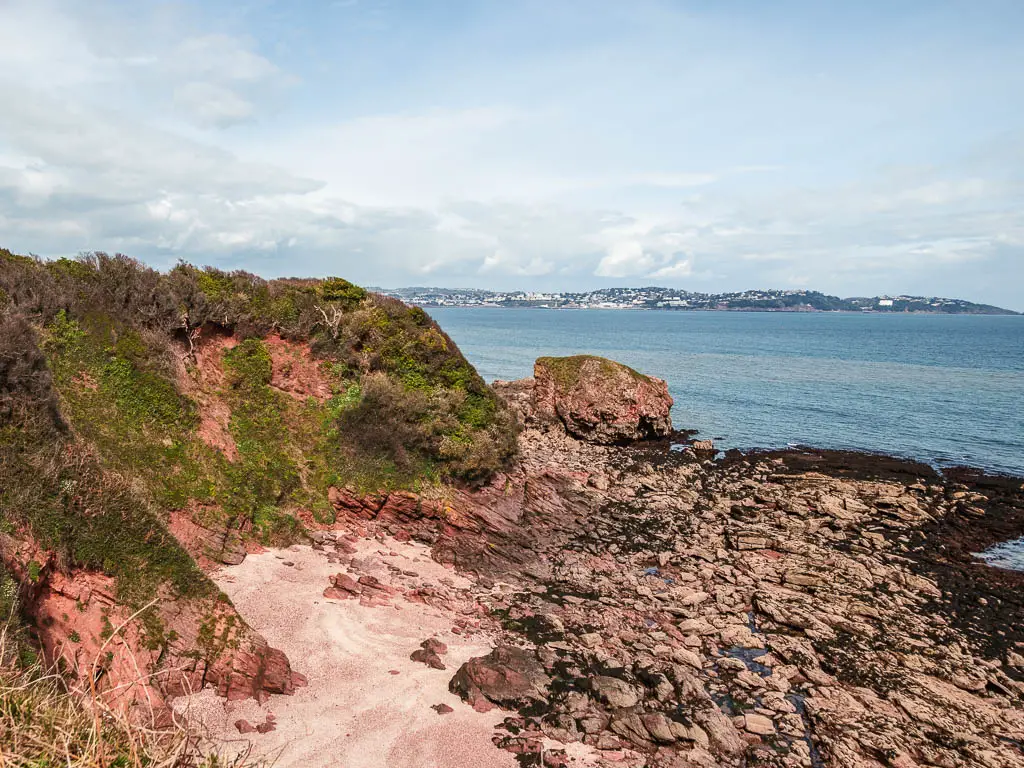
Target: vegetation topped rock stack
(599,400)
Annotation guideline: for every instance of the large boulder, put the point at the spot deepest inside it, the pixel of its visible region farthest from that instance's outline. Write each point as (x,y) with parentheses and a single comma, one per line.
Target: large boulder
(599,400)
(509,677)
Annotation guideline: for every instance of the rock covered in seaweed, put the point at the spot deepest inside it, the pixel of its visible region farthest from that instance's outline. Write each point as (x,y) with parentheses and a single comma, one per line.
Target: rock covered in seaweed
(599,400)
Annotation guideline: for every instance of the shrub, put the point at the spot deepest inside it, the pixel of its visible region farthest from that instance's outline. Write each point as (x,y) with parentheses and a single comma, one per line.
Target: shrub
(248,364)
(342,292)
(389,421)
(26,385)
(111,329)
(265,473)
(91,518)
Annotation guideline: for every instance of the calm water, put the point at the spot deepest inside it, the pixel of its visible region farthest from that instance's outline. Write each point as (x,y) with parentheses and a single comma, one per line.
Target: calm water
(943,389)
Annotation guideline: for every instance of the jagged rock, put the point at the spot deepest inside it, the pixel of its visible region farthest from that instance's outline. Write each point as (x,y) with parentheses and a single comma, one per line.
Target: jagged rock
(686,656)
(590,639)
(797,579)
(659,727)
(343,587)
(254,672)
(749,541)
(430,652)
(599,400)
(76,603)
(630,726)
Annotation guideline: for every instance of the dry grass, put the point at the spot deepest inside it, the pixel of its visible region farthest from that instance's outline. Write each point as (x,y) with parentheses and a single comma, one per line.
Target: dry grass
(45,723)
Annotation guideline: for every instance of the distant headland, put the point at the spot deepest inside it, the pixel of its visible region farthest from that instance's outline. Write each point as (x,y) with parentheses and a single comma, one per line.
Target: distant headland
(675,299)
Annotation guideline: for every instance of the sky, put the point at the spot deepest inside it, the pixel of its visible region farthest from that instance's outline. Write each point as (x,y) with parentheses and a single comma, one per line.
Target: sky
(853,148)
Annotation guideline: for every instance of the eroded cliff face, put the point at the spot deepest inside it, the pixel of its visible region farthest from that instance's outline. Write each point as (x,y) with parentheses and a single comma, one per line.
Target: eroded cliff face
(788,609)
(139,658)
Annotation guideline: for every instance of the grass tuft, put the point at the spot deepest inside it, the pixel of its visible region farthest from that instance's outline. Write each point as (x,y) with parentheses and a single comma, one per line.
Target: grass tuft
(45,723)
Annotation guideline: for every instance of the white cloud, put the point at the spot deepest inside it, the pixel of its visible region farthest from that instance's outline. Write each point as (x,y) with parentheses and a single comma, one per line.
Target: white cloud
(624,259)
(630,259)
(213,105)
(680,269)
(503,262)
(41,48)
(677,180)
(217,79)
(111,137)
(416,159)
(221,58)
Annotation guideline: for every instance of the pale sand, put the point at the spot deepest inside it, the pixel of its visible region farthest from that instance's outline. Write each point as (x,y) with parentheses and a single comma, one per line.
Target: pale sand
(353,713)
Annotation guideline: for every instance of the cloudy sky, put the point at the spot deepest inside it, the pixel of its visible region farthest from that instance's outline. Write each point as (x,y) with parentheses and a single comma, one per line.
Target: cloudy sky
(855,148)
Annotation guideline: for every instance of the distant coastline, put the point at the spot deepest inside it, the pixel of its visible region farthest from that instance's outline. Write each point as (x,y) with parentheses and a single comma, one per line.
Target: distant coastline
(669,299)
(751,310)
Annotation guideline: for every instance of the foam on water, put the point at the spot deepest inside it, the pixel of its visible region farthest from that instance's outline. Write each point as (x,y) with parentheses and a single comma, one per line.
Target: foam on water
(1008,554)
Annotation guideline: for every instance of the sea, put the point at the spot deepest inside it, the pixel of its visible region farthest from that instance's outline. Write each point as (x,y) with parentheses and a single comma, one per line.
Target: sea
(943,389)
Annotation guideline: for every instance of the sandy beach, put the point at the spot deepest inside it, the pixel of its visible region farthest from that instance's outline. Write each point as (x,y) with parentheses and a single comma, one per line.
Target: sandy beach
(367,704)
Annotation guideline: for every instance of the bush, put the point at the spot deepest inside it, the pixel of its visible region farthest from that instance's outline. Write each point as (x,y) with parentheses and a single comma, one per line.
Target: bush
(389,421)
(342,292)
(26,385)
(91,518)
(248,364)
(114,321)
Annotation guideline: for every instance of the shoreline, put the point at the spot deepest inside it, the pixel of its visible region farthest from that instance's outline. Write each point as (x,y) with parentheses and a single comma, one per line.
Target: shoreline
(746,310)
(681,438)
(941,469)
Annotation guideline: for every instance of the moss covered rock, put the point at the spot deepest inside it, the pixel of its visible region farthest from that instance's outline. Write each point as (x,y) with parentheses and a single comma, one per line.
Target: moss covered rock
(599,400)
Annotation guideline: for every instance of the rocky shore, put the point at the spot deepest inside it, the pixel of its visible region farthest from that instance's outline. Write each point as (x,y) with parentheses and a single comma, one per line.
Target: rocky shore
(649,606)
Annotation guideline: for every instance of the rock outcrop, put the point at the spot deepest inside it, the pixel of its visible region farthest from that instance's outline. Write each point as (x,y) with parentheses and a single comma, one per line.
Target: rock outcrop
(507,676)
(599,400)
(144,658)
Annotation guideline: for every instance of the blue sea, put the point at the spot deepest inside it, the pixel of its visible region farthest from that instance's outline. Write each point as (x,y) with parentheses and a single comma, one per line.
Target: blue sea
(945,389)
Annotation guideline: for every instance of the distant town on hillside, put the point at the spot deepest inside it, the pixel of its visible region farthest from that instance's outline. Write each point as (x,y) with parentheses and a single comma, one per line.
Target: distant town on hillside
(675,299)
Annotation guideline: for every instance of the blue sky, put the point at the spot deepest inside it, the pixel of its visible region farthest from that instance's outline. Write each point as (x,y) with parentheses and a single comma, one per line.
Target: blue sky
(855,148)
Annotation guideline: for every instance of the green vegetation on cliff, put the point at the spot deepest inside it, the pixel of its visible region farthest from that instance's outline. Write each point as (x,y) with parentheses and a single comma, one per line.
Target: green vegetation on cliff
(111,375)
(566,370)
